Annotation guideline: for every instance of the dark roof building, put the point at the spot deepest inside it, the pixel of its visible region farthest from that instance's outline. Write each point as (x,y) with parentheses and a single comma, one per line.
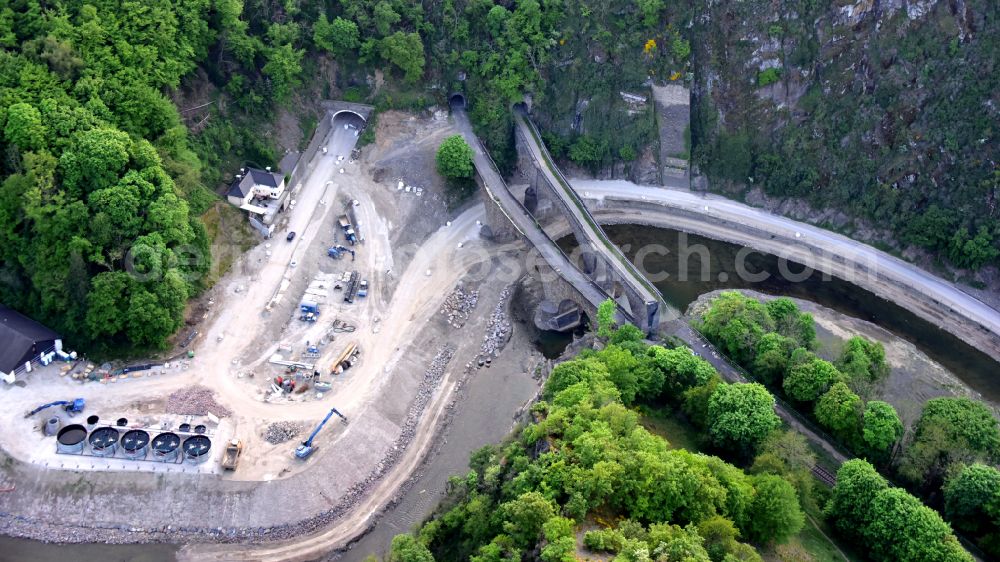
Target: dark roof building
(242,187)
(21,339)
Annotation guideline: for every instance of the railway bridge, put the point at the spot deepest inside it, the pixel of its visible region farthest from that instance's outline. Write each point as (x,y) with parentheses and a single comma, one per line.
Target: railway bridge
(603,272)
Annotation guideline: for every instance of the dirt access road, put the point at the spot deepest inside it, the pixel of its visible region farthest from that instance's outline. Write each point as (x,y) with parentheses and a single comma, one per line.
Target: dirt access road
(927,295)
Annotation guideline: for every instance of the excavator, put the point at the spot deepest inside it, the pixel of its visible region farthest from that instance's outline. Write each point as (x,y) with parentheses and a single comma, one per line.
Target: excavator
(71,407)
(307,448)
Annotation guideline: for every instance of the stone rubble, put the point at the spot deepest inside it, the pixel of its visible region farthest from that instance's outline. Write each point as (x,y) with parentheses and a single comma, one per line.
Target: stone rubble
(195,401)
(498,331)
(459,305)
(280,432)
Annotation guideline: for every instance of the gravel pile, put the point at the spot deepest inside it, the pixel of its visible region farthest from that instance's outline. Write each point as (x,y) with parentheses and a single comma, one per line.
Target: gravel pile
(459,305)
(195,401)
(498,331)
(279,432)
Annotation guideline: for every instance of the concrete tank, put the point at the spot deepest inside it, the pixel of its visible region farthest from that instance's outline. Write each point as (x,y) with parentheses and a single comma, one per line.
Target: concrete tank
(197,448)
(135,444)
(104,441)
(166,447)
(52,426)
(71,439)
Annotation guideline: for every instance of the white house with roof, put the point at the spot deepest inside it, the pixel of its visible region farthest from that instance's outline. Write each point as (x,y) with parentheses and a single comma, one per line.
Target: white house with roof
(256,184)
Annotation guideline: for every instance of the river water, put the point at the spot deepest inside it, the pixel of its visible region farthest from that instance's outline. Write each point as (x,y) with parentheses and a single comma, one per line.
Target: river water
(484,414)
(686,280)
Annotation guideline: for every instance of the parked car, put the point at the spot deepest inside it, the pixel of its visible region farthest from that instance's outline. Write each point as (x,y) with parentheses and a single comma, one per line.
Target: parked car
(291,236)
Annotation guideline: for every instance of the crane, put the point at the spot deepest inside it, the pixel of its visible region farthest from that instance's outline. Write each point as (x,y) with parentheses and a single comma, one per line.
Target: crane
(71,407)
(306,448)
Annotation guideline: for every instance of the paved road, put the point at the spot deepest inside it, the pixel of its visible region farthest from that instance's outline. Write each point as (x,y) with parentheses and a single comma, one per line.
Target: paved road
(927,295)
(596,237)
(520,218)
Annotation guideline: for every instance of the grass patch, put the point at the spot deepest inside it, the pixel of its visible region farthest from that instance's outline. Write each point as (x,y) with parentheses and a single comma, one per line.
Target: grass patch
(229,237)
(667,423)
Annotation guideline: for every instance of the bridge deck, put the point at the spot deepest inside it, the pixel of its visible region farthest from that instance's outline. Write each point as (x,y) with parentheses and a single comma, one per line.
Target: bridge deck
(596,237)
(522,220)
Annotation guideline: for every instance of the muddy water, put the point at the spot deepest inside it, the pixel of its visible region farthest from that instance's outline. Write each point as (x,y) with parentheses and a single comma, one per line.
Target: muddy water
(484,416)
(23,550)
(686,280)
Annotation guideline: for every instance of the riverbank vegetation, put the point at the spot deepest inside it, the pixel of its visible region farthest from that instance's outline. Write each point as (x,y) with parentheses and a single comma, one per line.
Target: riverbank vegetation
(772,341)
(585,477)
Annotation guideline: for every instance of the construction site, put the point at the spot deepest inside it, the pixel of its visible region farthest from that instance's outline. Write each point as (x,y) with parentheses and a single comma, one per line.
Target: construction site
(308,388)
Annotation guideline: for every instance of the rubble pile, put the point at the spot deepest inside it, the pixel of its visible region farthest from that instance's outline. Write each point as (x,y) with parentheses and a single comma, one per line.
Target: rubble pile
(279,432)
(498,330)
(459,305)
(195,401)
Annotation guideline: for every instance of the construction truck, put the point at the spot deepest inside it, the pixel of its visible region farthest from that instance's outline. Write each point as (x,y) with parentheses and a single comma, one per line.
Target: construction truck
(71,407)
(337,252)
(307,448)
(231,457)
(348,228)
(309,311)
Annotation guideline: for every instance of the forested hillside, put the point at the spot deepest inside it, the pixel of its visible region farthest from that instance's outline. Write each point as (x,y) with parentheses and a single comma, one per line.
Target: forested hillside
(98,177)
(886,111)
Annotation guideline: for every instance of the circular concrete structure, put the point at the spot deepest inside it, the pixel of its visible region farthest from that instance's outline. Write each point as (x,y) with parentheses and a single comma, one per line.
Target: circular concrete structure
(92,420)
(52,426)
(71,439)
(104,441)
(135,444)
(166,447)
(197,448)
(184,428)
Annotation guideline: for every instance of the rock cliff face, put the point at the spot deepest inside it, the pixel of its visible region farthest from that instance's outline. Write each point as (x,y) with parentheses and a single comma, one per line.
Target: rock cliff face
(887,110)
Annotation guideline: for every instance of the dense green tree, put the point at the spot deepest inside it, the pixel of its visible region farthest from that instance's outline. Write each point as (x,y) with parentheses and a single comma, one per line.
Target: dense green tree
(882,429)
(606,318)
(405,548)
(679,369)
(862,359)
(24,127)
(806,382)
(771,357)
(406,52)
(736,323)
(775,514)
(971,499)
(840,410)
(949,430)
(524,517)
(902,528)
(340,36)
(283,67)
(850,506)
(454,158)
(740,416)
(697,400)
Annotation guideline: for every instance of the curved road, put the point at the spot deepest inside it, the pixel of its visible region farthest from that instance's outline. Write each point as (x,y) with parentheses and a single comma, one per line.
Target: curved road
(927,295)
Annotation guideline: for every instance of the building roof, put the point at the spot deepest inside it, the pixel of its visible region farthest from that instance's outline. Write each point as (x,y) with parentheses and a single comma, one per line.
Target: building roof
(18,335)
(242,187)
